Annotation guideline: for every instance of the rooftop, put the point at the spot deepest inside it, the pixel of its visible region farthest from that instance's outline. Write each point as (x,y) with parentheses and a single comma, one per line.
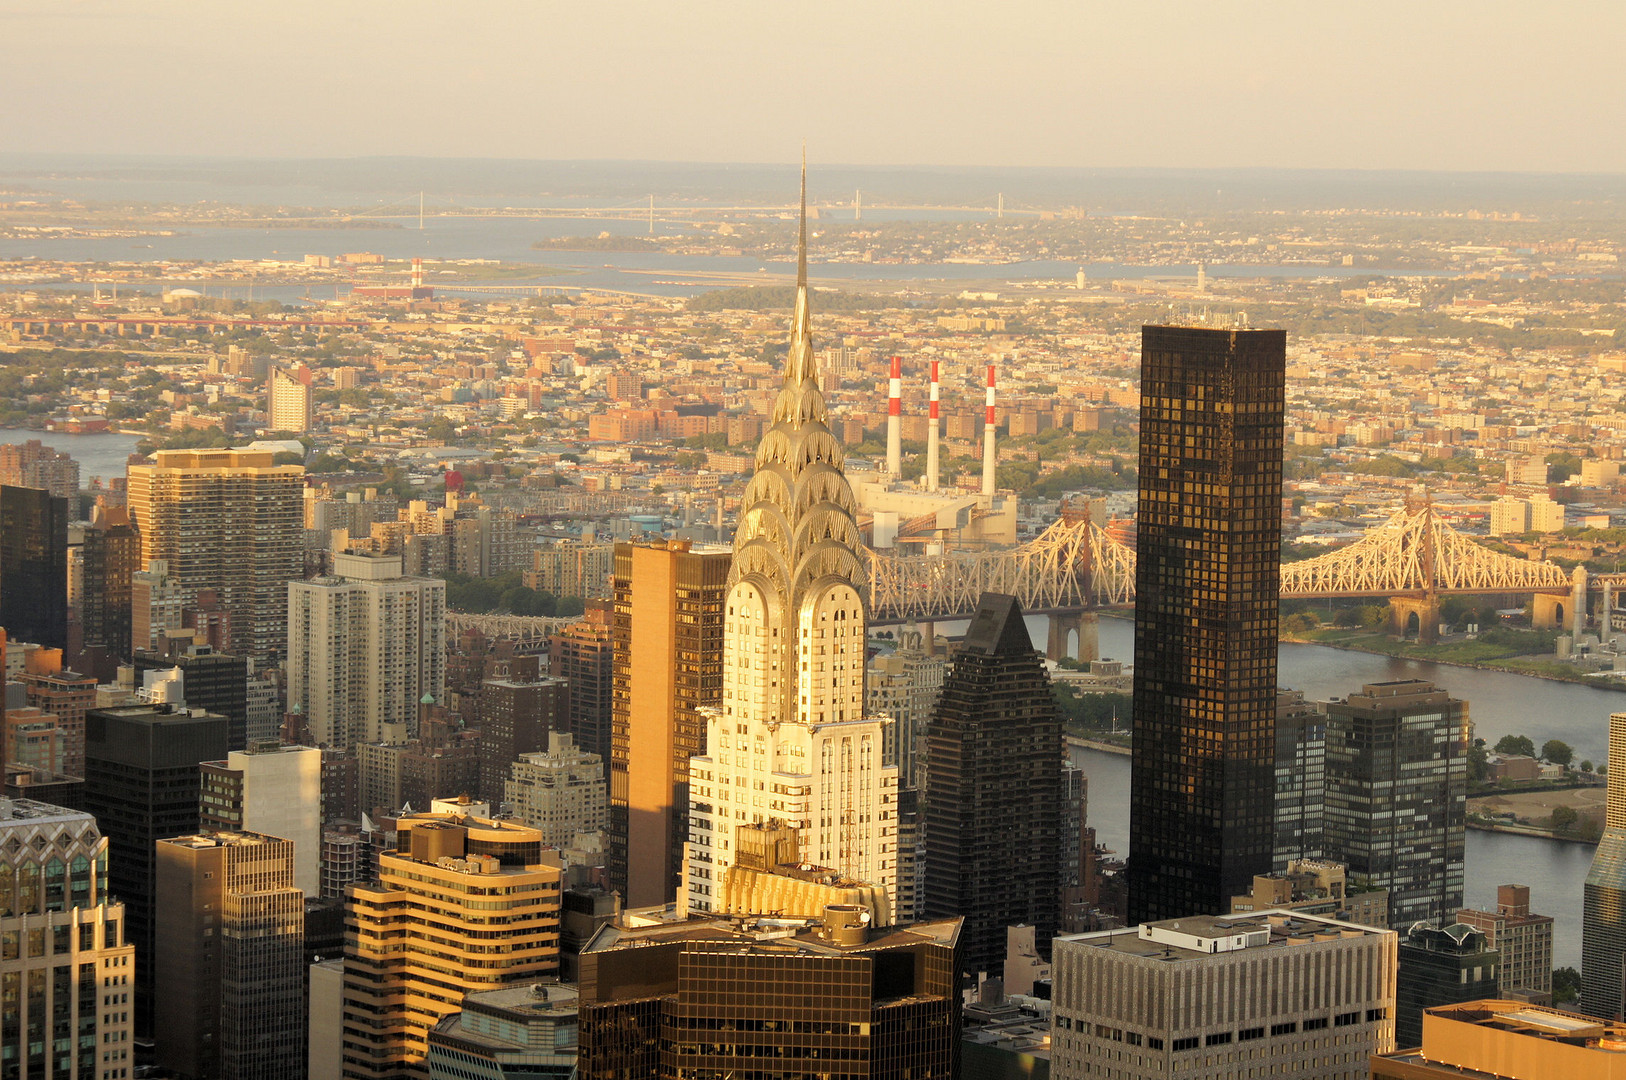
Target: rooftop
(31,811)
(1198,936)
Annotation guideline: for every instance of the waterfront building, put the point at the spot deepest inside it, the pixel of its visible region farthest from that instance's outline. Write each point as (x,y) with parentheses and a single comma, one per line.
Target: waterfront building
(1603,907)
(142,783)
(421,937)
(1440,965)
(1274,993)
(523,1033)
(230,958)
(1301,778)
(994,804)
(559,792)
(34,566)
(1207,592)
(66,969)
(1510,1040)
(1397,780)
(808,998)
(668,657)
(231,521)
(790,739)
(365,646)
(1523,942)
(33,465)
(271,789)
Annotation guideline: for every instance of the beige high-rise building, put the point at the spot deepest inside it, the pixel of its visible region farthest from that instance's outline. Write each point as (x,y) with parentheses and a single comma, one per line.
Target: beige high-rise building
(272,789)
(668,665)
(792,740)
(230,958)
(1274,993)
(231,521)
(559,792)
(66,973)
(464,904)
(365,645)
(288,404)
(157,606)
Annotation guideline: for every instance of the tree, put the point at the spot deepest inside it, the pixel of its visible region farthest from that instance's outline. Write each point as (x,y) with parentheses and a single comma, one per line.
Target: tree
(1566,985)
(1586,765)
(1559,753)
(1477,765)
(1516,745)
(1564,818)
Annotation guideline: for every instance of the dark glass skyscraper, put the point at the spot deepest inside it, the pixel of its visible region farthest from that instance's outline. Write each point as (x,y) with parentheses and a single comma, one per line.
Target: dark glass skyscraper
(1208,535)
(993,804)
(1603,904)
(34,566)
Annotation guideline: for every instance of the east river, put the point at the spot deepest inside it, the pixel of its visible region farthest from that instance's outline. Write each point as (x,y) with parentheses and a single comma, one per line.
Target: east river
(1499,704)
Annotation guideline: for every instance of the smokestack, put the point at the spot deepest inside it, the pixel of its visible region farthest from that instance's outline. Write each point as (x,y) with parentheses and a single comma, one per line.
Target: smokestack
(417,273)
(931,434)
(894,420)
(988,439)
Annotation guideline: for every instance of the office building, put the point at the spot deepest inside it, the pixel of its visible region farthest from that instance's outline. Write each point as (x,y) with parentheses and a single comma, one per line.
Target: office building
(230,958)
(288,403)
(1397,779)
(1207,588)
(1313,887)
(454,890)
(231,521)
(1603,905)
(1523,943)
(994,805)
(668,657)
(524,1033)
(1510,1040)
(905,686)
(210,680)
(516,715)
(66,968)
(1273,994)
(33,465)
(158,603)
(1439,965)
(274,790)
(583,654)
(559,792)
(827,997)
(769,875)
(1301,778)
(66,695)
(365,646)
(142,783)
(34,566)
(791,739)
(110,553)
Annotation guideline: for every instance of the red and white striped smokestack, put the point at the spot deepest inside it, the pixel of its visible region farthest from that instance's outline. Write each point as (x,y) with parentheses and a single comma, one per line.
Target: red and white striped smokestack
(894,420)
(988,439)
(417,273)
(931,434)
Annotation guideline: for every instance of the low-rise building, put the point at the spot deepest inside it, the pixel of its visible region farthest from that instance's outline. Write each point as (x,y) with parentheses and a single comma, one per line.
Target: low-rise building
(1511,1040)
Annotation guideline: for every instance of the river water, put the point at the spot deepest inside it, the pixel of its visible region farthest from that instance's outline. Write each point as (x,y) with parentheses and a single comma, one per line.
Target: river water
(1499,704)
(102,454)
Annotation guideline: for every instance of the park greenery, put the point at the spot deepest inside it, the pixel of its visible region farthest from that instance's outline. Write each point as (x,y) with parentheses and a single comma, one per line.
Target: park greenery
(505,594)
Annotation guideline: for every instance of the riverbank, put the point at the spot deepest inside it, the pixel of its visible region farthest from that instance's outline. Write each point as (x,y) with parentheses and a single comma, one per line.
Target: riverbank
(1082,743)
(1550,670)
(1517,829)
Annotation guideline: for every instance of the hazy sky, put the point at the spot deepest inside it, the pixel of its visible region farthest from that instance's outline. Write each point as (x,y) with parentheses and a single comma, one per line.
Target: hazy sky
(1429,84)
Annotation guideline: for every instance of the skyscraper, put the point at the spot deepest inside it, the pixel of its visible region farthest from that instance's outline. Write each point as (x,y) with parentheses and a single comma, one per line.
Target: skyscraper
(111,553)
(33,465)
(1206,600)
(668,665)
(1603,906)
(66,969)
(583,654)
(364,646)
(141,782)
(209,680)
(559,792)
(34,566)
(288,403)
(791,739)
(231,521)
(993,803)
(463,904)
(1397,788)
(230,958)
(1301,778)
(516,715)
(271,789)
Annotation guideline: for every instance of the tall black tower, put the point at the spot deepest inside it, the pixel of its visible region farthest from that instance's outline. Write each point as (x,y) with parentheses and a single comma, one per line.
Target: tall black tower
(993,804)
(1207,589)
(34,566)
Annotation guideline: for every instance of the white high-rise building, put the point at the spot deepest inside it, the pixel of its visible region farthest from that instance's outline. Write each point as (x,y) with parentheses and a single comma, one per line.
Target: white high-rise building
(288,403)
(272,789)
(365,645)
(559,792)
(791,740)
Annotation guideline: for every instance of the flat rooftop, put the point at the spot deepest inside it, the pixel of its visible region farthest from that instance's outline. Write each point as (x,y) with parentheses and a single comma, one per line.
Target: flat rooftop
(1197,937)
